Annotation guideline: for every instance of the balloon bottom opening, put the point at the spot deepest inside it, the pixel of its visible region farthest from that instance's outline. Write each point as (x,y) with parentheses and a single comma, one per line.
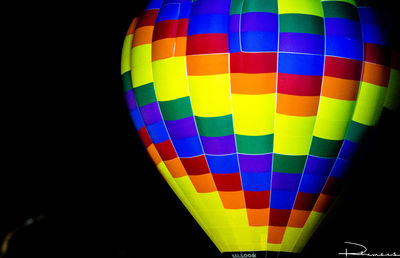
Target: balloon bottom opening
(259,254)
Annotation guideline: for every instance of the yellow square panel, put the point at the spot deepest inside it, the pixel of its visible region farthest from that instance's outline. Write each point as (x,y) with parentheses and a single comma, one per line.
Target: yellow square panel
(333,118)
(331,129)
(292,145)
(141,65)
(294,125)
(237,217)
(369,104)
(335,109)
(210,95)
(313,7)
(253,114)
(126,52)
(211,200)
(186,185)
(170,78)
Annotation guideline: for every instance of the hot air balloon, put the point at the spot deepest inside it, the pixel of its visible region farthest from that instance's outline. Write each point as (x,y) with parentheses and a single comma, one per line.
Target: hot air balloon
(253,110)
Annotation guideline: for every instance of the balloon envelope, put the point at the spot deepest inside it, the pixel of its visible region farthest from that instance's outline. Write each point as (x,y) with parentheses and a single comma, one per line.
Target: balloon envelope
(253,110)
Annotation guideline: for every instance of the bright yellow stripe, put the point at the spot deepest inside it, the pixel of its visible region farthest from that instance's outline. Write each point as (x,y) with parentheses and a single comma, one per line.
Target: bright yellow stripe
(331,129)
(312,7)
(210,95)
(126,52)
(141,66)
(232,224)
(198,204)
(294,125)
(127,46)
(170,80)
(215,219)
(293,134)
(247,238)
(174,186)
(193,205)
(369,104)
(290,238)
(333,118)
(228,229)
(336,109)
(240,228)
(252,238)
(253,114)
(311,225)
(274,247)
(292,145)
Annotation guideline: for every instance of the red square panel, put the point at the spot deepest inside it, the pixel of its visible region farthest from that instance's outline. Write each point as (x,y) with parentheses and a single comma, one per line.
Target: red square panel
(343,68)
(228,182)
(279,217)
(300,85)
(210,43)
(148,18)
(253,62)
(196,165)
(145,137)
(166,150)
(377,54)
(305,201)
(257,199)
(333,186)
(182,27)
(165,29)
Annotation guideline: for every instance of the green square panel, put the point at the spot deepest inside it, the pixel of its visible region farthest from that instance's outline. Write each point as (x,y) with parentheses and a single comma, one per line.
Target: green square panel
(301,23)
(325,148)
(215,126)
(145,94)
(288,163)
(255,144)
(176,109)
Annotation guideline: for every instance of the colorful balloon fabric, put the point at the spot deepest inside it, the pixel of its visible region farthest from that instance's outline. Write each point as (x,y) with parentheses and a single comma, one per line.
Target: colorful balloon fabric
(253,110)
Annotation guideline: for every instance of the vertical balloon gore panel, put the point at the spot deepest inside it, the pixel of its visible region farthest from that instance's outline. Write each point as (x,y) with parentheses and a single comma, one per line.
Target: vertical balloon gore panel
(253,111)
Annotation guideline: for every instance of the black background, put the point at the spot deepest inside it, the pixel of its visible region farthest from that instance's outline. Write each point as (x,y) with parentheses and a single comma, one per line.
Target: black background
(70,152)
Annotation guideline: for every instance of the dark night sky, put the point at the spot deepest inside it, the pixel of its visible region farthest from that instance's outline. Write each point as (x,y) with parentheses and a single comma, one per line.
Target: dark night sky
(71,154)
